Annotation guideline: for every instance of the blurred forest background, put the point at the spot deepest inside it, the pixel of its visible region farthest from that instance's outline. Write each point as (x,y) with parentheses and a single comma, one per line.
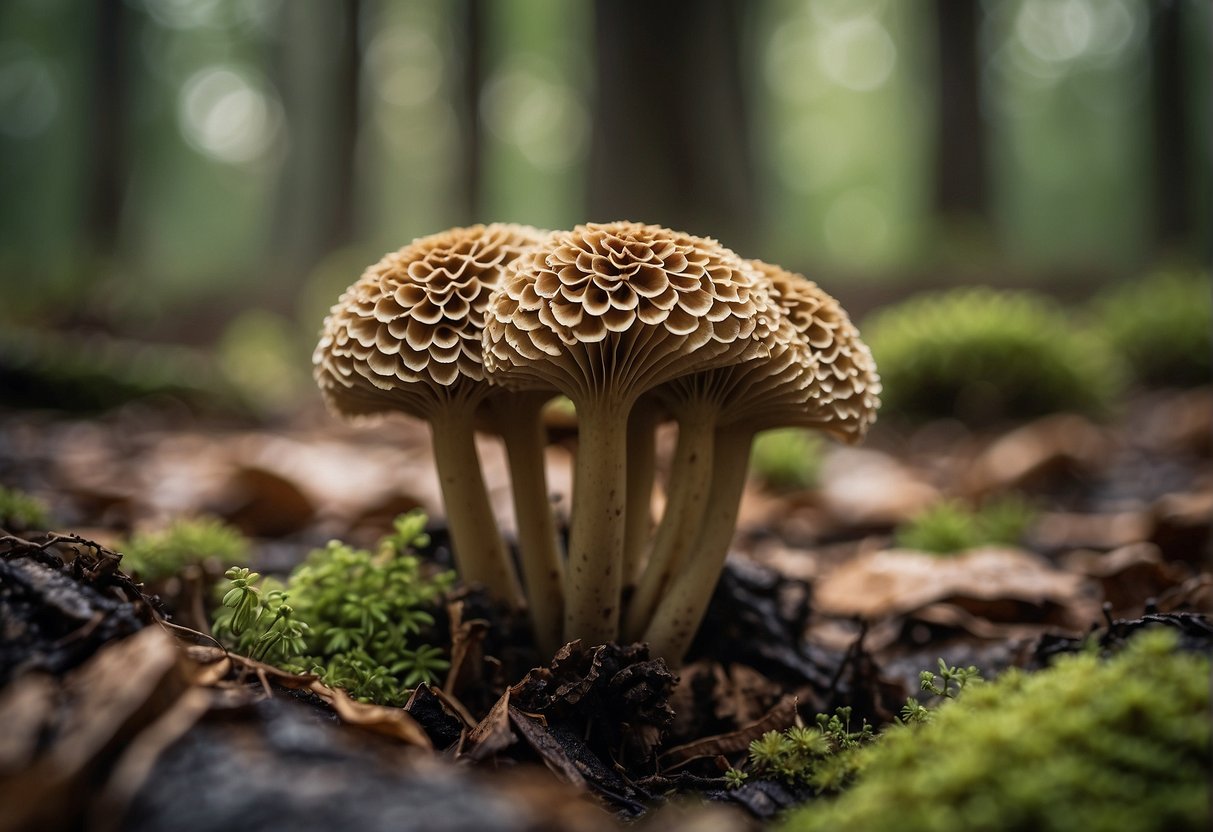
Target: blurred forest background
(215,172)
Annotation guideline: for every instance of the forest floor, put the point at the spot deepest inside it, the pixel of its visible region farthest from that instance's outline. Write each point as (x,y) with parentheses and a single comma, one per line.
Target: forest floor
(146,727)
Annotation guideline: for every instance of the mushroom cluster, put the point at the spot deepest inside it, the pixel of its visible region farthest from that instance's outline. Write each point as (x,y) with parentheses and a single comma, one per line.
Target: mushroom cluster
(634,324)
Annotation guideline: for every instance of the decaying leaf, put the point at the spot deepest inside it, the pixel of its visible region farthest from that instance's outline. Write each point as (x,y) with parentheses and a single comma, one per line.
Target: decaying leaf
(898,581)
(782,716)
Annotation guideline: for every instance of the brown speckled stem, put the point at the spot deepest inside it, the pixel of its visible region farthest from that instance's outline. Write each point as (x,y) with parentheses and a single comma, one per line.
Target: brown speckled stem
(681,609)
(522,430)
(683,517)
(595,565)
(480,554)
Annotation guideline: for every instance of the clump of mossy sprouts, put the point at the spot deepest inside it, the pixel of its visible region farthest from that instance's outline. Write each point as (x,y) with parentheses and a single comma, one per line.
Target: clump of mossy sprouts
(189,541)
(20,511)
(350,616)
(1162,326)
(1120,743)
(786,459)
(982,356)
(950,526)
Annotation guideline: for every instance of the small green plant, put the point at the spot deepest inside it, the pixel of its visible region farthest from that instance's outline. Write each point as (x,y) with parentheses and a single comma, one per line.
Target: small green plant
(787,459)
(982,356)
(351,617)
(807,755)
(947,684)
(1121,743)
(20,511)
(950,526)
(190,541)
(1162,326)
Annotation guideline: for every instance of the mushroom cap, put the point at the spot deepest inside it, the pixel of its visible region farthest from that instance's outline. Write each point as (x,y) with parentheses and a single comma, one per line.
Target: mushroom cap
(612,310)
(407,334)
(840,388)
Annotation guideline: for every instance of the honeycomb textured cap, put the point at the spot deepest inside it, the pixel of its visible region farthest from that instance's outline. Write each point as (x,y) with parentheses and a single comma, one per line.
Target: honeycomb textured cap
(844,387)
(619,308)
(407,334)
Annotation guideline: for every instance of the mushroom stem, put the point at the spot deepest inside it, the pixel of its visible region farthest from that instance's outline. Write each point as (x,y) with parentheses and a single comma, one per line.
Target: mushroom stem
(480,554)
(684,514)
(642,455)
(521,428)
(595,564)
(682,608)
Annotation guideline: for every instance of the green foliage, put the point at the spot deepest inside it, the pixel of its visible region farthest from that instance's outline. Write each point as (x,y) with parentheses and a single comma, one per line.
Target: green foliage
(815,756)
(20,511)
(350,619)
(186,541)
(787,459)
(1118,744)
(1161,325)
(980,356)
(950,526)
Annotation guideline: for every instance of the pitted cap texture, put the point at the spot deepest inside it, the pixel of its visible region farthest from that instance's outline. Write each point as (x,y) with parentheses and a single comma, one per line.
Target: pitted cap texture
(845,389)
(620,306)
(407,333)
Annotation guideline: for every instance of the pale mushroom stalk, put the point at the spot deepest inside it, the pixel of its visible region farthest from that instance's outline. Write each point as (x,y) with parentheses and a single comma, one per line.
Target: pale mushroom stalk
(520,424)
(686,596)
(595,572)
(687,501)
(642,458)
(480,555)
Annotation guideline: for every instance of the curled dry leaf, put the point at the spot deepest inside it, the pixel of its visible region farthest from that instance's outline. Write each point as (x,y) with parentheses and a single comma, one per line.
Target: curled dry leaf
(391,722)
(898,581)
(866,488)
(782,716)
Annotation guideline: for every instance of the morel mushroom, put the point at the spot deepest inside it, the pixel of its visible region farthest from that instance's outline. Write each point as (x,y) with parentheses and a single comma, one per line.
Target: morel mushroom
(605,313)
(406,336)
(827,381)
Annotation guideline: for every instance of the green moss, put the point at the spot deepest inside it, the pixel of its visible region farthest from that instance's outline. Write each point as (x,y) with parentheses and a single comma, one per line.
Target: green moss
(982,356)
(1161,325)
(787,460)
(20,511)
(950,526)
(208,541)
(1121,744)
(351,616)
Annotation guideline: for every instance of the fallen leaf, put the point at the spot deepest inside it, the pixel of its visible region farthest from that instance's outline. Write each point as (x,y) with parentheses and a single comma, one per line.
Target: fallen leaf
(782,716)
(900,581)
(391,722)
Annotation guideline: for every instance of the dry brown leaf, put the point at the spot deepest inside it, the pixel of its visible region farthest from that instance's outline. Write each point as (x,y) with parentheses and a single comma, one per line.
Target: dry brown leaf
(390,722)
(900,581)
(782,716)
(1037,452)
(493,734)
(106,702)
(866,488)
(549,750)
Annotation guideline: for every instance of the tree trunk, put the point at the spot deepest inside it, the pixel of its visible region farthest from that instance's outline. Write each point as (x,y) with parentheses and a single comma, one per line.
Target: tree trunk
(960,166)
(670,143)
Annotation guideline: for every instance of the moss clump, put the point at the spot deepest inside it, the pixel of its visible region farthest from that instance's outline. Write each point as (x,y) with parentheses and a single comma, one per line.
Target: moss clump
(1119,744)
(950,526)
(786,460)
(202,541)
(348,615)
(1161,325)
(982,356)
(20,512)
